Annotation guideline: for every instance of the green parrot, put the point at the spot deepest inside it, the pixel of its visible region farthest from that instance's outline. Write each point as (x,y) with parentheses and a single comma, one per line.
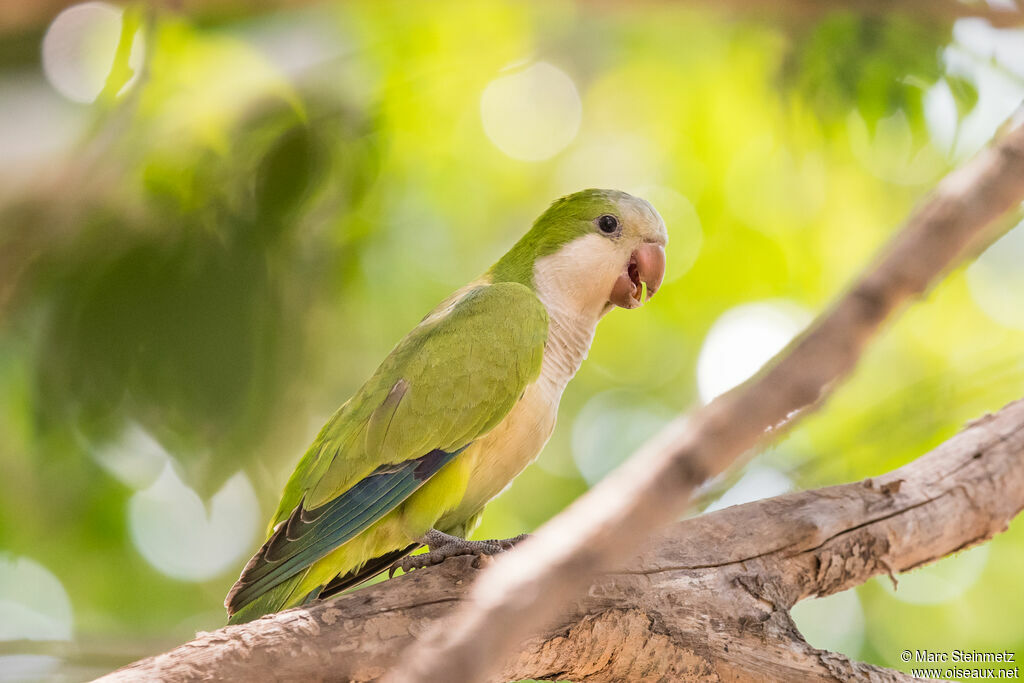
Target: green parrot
(457,410)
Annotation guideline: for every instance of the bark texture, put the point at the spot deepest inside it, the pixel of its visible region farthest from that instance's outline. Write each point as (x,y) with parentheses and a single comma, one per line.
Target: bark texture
(707,599)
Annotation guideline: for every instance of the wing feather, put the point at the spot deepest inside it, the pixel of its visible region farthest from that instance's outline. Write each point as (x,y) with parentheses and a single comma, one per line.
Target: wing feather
(308,535)
(451,380)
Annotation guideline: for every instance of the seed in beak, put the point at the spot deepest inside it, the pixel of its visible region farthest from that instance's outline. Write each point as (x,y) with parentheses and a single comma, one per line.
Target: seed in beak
(646,267)
(650,265)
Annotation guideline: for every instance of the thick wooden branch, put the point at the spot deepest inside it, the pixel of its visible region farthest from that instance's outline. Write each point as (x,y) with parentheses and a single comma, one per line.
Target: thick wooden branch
(706,599)
(529,586)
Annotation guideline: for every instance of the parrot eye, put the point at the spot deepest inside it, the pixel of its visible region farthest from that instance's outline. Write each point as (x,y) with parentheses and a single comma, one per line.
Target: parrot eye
(607,223)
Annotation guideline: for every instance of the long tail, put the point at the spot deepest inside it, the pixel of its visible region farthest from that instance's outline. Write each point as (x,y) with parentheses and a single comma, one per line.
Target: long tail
(291,593)
(276,599)
(367,572)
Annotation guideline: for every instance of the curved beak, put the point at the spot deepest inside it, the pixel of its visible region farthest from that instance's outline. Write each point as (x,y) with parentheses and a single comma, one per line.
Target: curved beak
(647,266)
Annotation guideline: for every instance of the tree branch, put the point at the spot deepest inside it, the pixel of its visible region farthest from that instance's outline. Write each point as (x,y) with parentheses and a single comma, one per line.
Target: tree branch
(530,585)
(689,607)
(691,594)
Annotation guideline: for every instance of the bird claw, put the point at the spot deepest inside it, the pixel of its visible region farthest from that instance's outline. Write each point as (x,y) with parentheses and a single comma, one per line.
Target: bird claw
(442,546)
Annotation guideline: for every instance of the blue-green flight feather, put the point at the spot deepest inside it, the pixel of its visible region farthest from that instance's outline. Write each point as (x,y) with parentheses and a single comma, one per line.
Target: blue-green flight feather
(452,379)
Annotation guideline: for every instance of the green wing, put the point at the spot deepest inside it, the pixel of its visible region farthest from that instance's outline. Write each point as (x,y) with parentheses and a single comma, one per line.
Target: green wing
(451,380)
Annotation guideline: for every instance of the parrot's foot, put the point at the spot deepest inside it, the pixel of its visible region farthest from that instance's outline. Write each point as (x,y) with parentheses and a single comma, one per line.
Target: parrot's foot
(442,546)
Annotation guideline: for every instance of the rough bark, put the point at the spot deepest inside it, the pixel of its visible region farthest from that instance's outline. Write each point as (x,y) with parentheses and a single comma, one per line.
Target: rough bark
(707,599)
(528,586)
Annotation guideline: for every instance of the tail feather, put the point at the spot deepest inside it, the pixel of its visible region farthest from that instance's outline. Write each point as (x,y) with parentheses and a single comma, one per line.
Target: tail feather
(366,572)
(291,592)
(276,599)
(310,535)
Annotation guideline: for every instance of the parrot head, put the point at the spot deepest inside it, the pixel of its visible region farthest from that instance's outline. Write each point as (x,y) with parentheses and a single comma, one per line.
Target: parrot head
(591,251)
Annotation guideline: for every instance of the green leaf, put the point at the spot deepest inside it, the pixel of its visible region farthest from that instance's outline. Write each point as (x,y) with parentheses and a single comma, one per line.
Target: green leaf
(965,94)
(286,173)
(121,71)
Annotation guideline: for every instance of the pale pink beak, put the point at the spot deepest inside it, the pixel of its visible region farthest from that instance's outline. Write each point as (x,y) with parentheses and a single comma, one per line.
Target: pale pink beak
(646,265)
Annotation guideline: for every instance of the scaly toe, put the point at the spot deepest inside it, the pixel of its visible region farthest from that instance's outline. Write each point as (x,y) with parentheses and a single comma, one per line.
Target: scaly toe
(507,543)
(453,547)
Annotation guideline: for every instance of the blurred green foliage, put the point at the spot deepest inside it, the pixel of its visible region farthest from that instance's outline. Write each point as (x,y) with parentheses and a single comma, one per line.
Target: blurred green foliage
(880,65)
(197,269)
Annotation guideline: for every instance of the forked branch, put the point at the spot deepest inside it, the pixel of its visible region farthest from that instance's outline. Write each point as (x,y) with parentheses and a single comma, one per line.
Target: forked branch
(706,599)
(529,586)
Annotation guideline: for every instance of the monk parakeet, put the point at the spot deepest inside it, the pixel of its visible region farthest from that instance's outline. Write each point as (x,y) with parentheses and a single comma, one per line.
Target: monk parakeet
(457,410)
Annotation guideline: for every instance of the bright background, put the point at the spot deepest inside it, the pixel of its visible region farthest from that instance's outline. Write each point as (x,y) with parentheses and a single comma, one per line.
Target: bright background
(210,235)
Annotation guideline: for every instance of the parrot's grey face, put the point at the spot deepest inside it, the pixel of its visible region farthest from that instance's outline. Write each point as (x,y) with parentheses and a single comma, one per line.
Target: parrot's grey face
(615,249)
(641,232)
(620,253)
